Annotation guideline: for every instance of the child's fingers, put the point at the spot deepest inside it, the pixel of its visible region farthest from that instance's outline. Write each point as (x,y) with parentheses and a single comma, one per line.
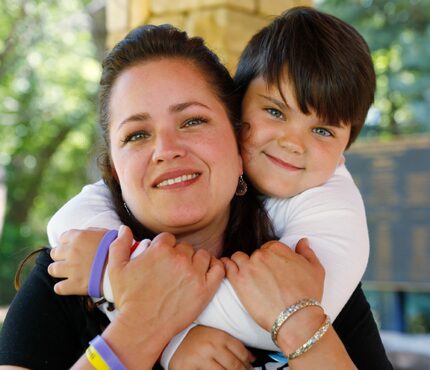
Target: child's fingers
(58,269)
(71,287)
(229,360)
(240,352)
(58,253)
(62,288)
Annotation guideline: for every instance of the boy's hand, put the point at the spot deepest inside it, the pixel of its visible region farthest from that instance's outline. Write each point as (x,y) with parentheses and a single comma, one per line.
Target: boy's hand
(211,349)
(73,260)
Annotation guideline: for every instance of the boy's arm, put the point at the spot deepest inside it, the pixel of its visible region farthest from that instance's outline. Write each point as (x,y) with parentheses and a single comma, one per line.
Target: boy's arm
(333,218)
(92,207)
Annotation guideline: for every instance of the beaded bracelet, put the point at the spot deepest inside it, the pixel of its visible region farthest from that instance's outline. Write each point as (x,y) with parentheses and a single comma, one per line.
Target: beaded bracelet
(285,315)
(312,340)
(99,262)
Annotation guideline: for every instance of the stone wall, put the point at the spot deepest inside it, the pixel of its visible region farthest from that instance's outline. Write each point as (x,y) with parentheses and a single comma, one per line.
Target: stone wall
(226,25)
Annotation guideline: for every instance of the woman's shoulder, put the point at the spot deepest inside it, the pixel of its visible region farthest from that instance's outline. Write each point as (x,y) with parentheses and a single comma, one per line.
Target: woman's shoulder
(43,329)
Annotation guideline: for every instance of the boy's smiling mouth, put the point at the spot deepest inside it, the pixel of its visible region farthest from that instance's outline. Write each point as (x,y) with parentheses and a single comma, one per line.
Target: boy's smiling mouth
(285,165)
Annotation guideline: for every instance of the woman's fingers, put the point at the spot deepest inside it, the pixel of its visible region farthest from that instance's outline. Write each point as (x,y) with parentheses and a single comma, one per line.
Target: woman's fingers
(303,248)
(164,239)
(215,273)
(201,260)
(119,251)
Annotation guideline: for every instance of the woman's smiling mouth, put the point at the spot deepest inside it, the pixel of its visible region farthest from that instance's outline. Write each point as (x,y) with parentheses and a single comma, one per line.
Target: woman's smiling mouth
(186,178)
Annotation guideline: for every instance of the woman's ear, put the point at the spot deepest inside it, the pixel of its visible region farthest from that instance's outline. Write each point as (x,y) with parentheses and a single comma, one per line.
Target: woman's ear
(240,165)
(113,172)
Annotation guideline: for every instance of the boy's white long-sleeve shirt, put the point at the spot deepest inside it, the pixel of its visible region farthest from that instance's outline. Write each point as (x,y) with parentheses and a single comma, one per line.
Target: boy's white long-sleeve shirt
(331,216)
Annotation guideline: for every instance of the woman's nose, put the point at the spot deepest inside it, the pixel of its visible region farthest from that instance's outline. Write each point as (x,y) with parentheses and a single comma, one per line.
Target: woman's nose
(167,147)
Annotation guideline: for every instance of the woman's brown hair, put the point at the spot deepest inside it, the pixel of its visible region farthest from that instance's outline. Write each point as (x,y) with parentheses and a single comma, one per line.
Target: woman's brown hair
(248,226)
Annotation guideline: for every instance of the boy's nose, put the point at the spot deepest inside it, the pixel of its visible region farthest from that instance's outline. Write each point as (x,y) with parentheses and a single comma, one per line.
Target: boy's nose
(292,142)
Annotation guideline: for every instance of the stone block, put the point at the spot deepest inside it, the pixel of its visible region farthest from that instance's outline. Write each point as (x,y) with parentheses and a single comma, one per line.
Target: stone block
(177,20)
(276,7)
(139,11)
(167,6)
(117,16)
(225,30)
(114,37)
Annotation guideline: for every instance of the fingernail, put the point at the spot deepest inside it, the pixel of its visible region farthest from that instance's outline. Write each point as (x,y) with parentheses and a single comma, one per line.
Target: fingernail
(121,231)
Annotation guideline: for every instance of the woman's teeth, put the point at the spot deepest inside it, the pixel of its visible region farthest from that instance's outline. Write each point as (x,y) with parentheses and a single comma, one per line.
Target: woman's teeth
(177,180)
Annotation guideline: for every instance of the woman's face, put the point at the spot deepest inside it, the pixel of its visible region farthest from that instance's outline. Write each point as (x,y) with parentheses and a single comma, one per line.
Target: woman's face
(173,147)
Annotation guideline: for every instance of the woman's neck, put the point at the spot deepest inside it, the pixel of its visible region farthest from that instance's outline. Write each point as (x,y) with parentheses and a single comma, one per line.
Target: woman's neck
(210,238)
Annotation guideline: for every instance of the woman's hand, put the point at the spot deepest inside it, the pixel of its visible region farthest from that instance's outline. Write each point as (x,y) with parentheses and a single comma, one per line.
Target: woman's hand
(73,259)
(168,285)
(211,349)
(275,277)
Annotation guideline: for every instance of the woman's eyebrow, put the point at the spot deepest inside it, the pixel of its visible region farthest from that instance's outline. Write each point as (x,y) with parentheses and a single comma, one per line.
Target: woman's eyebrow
(281,104)
(135,117)
(182,106)
(141,117)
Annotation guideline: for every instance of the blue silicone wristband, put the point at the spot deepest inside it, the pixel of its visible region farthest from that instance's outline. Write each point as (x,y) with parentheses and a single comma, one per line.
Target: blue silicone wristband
(99,262)
(107,354)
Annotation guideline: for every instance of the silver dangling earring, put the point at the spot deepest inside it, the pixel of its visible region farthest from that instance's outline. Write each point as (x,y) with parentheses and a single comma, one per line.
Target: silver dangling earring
(242,187)
(126,209)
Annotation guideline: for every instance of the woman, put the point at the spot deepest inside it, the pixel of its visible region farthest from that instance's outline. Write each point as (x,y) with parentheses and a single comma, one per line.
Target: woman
(165,107)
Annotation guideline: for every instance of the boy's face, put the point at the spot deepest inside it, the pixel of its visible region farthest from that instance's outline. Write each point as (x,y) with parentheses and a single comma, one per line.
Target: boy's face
(285,151)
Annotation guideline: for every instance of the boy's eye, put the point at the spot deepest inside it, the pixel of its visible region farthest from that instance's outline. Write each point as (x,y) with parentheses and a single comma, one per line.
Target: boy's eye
(274,112)
(194,122)
(322,131)
(135,136)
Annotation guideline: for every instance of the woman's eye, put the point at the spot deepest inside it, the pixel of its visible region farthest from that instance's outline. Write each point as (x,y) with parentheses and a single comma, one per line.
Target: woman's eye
(135,136)
(322,131)
(274,112)
(194,122)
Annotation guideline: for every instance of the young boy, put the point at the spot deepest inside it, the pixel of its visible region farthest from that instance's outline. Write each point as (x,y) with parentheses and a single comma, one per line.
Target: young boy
(307,81)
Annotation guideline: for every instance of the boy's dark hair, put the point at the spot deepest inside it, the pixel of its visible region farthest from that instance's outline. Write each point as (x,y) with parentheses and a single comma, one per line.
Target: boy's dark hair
(325,59)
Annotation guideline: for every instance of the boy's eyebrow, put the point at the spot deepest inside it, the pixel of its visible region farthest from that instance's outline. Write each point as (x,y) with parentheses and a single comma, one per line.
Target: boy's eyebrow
(280,103)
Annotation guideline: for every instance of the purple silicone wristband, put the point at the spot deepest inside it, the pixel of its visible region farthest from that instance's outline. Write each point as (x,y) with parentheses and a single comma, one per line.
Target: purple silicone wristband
(107,354)
(99,263)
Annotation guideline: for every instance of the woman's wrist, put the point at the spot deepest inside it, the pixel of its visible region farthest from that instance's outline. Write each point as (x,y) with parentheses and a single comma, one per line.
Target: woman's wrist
(137,342)
(299,328)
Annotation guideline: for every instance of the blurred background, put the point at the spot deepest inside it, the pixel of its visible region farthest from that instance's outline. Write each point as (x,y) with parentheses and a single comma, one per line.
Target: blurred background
(50,54)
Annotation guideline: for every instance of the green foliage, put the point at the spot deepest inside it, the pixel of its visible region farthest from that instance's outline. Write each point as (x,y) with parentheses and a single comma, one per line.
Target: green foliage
(397,32)
(48,85)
